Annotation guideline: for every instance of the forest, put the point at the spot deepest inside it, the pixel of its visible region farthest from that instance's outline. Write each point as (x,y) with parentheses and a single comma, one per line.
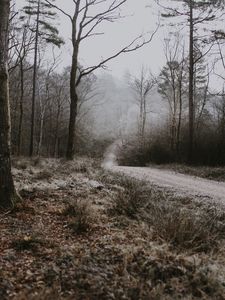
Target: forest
(112,149)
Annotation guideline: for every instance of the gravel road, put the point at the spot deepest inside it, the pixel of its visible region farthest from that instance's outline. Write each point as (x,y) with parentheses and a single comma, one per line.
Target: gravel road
(171,181)
(178,183)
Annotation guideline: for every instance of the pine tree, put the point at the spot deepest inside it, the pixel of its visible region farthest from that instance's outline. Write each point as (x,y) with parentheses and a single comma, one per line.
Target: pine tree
(197,13)
(44,31)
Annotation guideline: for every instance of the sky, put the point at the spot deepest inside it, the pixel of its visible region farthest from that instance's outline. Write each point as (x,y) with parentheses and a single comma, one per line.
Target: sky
(140,19)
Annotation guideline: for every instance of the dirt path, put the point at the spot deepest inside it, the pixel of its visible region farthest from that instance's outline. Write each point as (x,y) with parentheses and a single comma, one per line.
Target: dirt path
(178,183)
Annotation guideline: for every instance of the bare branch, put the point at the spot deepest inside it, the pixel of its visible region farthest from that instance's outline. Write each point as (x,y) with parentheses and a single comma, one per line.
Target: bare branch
(133,46)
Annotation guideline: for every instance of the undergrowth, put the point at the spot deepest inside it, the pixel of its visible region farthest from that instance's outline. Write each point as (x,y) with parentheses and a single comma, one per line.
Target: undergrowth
(80,215)
(182,223)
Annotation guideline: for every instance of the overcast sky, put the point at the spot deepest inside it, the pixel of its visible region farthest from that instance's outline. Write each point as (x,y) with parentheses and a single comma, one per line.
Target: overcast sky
(140,19)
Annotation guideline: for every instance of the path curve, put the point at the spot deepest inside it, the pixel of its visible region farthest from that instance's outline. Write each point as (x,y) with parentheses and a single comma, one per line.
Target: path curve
(177,183)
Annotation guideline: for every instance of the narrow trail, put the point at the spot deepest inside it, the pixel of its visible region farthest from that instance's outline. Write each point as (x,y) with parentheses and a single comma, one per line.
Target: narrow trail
(172,181)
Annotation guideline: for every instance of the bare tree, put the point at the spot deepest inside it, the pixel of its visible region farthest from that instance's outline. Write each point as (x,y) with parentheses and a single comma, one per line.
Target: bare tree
(45,97)
(171,85)
(8,195)
(22,40)
(196,13)
(85,21)
(44,31)
(142,87)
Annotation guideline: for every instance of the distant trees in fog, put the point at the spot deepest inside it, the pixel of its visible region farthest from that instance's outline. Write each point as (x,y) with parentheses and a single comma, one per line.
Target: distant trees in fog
(141,87)
(85,20)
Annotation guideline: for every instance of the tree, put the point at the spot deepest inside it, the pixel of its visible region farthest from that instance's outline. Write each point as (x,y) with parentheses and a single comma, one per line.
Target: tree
(8,195)
(86,18)
(171,85)
(46,32)
(197,13)
(21,44)
(142,87)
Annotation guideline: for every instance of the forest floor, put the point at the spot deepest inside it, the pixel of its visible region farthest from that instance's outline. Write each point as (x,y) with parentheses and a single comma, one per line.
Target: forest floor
(82,232)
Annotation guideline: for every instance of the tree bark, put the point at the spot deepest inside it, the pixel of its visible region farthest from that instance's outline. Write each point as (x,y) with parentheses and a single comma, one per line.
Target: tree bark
(21,108)
(180,114)
(73,108)
(191,85)
(56,153)
(31,150)
(8,195)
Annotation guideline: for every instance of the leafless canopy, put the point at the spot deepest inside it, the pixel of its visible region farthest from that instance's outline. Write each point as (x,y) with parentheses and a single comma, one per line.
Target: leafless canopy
(87,16)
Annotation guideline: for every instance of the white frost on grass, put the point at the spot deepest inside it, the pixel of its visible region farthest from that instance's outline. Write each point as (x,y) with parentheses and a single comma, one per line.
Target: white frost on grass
(171,181)
(185,185)
(51,175)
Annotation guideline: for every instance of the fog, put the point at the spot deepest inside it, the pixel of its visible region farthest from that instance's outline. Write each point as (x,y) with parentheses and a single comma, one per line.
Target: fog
(115,110)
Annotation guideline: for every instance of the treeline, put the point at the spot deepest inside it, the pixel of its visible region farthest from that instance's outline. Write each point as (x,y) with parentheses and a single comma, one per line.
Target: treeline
(169,141)
(52,110)
(49,109)
(193,128)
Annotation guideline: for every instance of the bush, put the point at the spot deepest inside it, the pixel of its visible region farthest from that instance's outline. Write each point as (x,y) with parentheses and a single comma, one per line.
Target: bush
(81,216)
(198,230)
(137,153)
(28,243)
(208,148)
(130,199)
(43,175)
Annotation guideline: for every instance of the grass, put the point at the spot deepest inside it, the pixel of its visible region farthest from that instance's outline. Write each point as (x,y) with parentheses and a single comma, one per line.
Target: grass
(212,173)
(44,175)
(130,199)
(144,244)
(185,228)
(81,215)
(28,243)
(182,223)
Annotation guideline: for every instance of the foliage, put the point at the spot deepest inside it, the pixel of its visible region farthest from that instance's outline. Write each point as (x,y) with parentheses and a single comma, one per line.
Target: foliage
(47,31)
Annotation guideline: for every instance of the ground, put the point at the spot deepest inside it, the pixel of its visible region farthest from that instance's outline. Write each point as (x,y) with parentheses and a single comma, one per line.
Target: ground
(85,233)
(177,182)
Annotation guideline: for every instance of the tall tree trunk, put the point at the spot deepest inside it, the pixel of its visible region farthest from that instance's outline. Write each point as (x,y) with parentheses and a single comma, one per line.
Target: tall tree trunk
(144,119)
(140,125)
(73,108)
(191,86)
(56,153)
(31,150)
(41,134)
(8,195)
(179,117)
(21,108)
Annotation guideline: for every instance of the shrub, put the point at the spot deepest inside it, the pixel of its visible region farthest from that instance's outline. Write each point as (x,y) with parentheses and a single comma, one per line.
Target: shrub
(28,243)
(43,175)
(81,215)
(198,230)
(130,199)
(173,219)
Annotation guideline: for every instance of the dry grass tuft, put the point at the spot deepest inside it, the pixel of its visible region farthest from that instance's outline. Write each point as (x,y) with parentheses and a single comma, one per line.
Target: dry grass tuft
(180,222)
(197,230)
(43,175)
(28,243)
(81,216)
(130,199)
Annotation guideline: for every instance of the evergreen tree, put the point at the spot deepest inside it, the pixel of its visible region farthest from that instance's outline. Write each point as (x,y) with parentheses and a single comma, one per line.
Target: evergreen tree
(44,31)
(197,14)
